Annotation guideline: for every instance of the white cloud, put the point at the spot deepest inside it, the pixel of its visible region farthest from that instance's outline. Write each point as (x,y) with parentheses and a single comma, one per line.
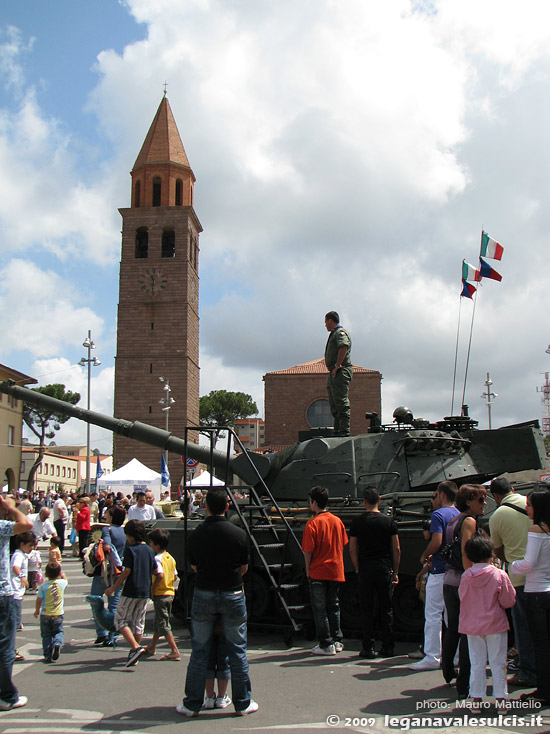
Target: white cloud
(12,49)
(347,155)
(46,202)
(44,318)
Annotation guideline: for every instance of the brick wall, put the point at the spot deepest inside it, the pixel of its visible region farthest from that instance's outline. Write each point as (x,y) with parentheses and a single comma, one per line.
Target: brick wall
(288,397)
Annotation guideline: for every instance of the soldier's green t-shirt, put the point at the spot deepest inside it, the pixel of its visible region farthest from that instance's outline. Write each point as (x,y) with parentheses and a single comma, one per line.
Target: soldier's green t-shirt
(339,337)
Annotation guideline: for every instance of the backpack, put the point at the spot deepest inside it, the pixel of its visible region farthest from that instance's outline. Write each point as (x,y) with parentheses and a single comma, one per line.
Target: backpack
(452,552)
(92,558)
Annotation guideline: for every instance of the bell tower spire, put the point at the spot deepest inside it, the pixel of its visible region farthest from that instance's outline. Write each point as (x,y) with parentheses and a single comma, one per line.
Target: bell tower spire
(158,321)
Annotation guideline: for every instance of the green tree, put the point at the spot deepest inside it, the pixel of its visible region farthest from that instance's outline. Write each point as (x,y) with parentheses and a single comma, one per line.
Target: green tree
(44,422)
(222,408)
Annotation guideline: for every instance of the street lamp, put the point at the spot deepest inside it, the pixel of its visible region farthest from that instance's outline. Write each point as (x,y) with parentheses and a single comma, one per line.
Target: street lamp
(488,395)
(88,343)
(167,401)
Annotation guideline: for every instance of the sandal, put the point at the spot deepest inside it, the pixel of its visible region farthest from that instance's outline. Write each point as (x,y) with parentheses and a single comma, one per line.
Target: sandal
(169,657)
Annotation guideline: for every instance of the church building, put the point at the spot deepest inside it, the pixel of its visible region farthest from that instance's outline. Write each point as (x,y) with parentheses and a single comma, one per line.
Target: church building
(158,309)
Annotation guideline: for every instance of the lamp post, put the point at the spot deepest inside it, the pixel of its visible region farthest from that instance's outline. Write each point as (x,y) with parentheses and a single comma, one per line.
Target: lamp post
(167,401)
(88,343)
(488,395)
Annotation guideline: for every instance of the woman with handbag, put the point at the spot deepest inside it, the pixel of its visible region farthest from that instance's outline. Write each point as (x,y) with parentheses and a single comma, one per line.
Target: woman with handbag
(471,501)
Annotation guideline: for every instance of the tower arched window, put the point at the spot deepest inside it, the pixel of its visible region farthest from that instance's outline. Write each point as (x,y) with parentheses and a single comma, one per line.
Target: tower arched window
(179,192)
(168,243)
(156,191)
(142,243)
(137,194)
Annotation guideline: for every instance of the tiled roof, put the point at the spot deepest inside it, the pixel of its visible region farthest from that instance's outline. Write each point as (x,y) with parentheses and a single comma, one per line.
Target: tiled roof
(317,366)
(17,376)
(163,141)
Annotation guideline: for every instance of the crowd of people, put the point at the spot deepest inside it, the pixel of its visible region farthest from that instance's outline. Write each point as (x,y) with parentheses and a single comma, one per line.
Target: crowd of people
(479,576)
(484,579)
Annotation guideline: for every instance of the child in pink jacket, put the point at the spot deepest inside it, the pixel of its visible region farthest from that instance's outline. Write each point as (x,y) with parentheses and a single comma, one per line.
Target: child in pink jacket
(485,592)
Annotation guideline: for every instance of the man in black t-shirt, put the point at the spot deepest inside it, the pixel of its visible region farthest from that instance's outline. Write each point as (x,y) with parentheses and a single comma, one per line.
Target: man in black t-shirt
(375,553)
(218,552)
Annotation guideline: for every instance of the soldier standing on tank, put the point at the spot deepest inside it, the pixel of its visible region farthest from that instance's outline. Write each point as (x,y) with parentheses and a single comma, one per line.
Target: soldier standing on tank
(338,363)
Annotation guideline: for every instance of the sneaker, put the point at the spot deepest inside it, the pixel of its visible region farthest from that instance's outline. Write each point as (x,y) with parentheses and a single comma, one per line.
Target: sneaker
(425,664)
(181,709)
(338,646)
(100,640)
(134,656)
(222,703)
(209,703)
(512,653)
(386,652)
(56,651)
(318,650)
(369,653)
(6,706)
(250,709)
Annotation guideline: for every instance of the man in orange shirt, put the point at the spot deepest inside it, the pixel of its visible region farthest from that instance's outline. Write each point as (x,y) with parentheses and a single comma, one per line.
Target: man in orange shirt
(323,546)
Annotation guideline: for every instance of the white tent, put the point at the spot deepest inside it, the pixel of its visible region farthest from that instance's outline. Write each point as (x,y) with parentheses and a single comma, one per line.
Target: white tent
(205,479)
(133,475)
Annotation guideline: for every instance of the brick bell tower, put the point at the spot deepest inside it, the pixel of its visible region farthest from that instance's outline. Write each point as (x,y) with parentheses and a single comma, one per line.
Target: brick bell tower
(158,309)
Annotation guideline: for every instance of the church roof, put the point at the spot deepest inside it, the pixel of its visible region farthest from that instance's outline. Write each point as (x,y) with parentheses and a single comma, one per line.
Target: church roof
(317,366)
(163,142)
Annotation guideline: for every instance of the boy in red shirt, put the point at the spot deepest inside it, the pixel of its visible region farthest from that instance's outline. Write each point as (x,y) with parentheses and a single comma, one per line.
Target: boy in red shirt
(323,546)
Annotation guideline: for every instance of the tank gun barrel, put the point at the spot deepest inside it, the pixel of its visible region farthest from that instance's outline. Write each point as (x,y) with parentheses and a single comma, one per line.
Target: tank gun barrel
(131,429)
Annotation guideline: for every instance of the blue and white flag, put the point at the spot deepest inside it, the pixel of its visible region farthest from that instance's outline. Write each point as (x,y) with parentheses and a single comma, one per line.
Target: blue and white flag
(99,471)
(165,473)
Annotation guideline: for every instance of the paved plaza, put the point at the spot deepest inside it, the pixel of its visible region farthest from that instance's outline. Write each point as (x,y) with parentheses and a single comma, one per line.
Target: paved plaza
(89,690)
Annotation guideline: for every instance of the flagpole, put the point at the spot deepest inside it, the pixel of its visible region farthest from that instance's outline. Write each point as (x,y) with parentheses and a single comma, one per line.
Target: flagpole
(468,354)
(456,354)
(471,332)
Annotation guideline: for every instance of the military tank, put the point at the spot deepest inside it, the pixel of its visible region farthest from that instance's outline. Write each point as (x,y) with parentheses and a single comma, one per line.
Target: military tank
(405,461)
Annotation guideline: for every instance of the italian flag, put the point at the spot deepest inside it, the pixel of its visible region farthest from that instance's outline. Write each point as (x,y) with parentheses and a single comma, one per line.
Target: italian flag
(490,248)
(469,272)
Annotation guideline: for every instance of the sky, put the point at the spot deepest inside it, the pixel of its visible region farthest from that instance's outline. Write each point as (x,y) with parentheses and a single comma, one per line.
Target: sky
(348,154)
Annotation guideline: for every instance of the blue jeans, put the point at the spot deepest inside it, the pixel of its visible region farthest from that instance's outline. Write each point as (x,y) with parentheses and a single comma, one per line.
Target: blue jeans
(326,610)
(51,630)
(8,692)
(98,587)
(230,607)
(524,643)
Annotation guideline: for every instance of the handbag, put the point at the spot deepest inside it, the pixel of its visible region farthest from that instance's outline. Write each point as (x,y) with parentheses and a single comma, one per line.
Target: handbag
(72,536)
(452,552)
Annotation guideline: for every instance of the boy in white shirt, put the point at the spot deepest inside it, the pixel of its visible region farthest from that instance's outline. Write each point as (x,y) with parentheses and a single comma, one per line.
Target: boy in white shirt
(19,570)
